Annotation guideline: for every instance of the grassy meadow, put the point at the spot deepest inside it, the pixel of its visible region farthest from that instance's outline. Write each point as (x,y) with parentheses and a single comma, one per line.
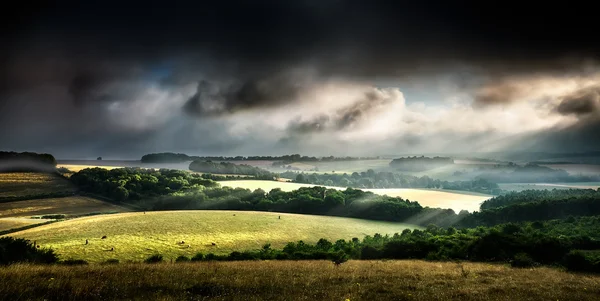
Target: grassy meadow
(137,235)
(31,184)
(456,200)
(295,280)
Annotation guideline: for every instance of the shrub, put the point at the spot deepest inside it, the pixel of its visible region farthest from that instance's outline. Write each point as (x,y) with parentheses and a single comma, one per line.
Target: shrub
(53,216)
(14,250)
(198,257)
(156,258)
(74,262)
(111,261)
(522,260)
(182,258)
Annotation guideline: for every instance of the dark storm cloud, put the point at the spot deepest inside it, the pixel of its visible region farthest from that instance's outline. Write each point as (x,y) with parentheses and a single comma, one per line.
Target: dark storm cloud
(497,93)
(581,102)
(213,99)
(63,63)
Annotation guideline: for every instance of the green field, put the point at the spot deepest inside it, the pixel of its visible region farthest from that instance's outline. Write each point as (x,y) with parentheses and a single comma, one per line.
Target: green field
(426,197)
(135,236)
(31,184)
(295,280)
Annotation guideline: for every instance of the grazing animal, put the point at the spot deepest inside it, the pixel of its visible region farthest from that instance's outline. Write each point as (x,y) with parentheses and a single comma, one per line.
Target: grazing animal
(104,237)
(86,242)
(234,215)
(182,242)
(38,246)
(280,217)
(214,244)
(112,249)
(188,246)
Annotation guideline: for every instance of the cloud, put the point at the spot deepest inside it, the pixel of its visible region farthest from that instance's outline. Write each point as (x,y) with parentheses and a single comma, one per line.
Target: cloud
(581,102)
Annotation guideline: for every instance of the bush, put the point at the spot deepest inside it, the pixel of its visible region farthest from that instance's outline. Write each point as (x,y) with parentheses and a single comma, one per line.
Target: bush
(14,250)
(74,262)
(156,258)
(182,259)
(522,260)
(53,216)
(198,257)
(111,261)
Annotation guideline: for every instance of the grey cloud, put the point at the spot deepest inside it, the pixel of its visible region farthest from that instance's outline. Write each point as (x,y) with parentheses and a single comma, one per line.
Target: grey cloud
(581,102)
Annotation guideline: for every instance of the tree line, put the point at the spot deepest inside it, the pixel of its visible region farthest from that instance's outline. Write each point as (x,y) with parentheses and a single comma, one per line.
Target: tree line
(372,179)
(26,161)
(179,157)
(231,168)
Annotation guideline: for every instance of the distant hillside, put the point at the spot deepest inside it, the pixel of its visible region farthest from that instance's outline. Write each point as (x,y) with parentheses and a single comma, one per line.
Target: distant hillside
(420,163)
(230,168)
(532,173)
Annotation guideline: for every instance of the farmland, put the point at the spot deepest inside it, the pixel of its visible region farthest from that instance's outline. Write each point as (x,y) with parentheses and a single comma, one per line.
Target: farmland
(135,236)
(295,280)
(29,184)
(426,197)
(74,205)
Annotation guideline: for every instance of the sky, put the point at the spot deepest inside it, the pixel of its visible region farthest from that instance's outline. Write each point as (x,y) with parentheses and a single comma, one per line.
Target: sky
(329,77)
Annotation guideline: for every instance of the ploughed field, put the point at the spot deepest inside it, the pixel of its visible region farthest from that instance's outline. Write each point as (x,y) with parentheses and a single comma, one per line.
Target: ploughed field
(295,280)
(136,235)
(455,200)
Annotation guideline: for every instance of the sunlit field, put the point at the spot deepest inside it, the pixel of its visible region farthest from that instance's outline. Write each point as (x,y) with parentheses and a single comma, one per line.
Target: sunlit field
(433,198)
(295,280)
(31,184)
(77,167)
(137,235)
(74,205)
(7,223)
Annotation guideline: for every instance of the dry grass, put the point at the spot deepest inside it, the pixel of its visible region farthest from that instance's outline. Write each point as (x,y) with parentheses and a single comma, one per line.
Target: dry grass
(18,222)
(289,280)
(22,184)
(74,205)
(136,235)
(426,197)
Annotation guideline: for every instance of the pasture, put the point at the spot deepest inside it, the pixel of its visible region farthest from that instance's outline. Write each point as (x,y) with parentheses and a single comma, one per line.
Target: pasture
(31,184)
(455,200)
(295,280)
(137,235)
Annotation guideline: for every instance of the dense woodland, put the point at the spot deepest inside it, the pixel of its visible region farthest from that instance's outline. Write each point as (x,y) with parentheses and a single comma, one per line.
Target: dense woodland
(26,161)
(171,189)
(372,179)
(521,245)
(178,157)
(420,163)
(231,168)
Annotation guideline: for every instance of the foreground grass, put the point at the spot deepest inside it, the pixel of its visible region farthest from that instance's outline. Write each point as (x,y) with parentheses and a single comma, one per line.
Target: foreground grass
(31,184)
(300,280)
(137,235)
(455,200)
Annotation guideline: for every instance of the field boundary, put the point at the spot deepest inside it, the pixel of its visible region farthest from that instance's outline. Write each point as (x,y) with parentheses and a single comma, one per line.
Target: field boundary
(13,230)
